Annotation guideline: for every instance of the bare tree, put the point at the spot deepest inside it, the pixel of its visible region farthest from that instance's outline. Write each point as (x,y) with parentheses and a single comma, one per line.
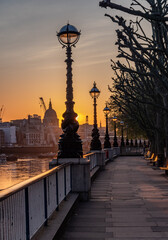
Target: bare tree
(146,59)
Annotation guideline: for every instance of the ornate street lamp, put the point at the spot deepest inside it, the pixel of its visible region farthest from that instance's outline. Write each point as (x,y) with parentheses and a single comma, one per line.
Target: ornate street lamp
(140,143)
(107,143)
(122,136)
(115,143)
(95,142)
(127,141)
(70,145)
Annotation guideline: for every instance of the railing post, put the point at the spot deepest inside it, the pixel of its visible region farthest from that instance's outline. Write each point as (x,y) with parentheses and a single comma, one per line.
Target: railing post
(57,196)
(109,154)
(100,155)
(45,200)
(65,182)
(33,203)
(80,176)
(27,214)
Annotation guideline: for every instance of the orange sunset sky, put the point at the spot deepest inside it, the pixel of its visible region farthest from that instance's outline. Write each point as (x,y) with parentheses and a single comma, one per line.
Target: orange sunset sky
(32,60)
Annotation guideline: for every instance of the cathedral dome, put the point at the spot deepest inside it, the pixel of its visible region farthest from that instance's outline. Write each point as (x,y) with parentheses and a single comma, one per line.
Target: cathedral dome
(50,116)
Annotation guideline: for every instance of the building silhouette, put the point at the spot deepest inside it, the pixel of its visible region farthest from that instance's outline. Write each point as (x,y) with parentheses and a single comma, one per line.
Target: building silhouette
(51,126)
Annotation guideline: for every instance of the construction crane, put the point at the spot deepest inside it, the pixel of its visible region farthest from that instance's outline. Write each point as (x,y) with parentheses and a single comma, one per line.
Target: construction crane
(49,126)
(1,112)
(42,103)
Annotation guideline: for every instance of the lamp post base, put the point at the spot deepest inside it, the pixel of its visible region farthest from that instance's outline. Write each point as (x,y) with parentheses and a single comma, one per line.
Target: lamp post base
(115,143)
(95,143)
(107,143)
(70,146)
(127,142)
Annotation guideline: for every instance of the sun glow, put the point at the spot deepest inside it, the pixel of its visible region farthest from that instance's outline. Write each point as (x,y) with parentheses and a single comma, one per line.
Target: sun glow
(81,118)
(39,60)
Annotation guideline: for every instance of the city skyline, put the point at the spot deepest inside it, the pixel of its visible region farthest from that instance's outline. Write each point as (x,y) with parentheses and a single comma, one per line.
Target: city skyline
(32,60)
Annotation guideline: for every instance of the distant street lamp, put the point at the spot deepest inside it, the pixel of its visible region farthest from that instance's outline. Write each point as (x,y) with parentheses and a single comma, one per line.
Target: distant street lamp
(127,141)
(70,145)
(95,142)
(115,143)
(140,143)
(107,143)
(122,136)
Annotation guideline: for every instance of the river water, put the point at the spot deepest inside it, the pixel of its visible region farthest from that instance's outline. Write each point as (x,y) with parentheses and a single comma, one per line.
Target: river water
(12,173)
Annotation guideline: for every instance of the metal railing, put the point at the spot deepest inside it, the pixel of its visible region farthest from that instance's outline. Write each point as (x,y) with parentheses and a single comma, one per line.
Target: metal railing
(110,153)
(93,159)
(132,151)
(25,207)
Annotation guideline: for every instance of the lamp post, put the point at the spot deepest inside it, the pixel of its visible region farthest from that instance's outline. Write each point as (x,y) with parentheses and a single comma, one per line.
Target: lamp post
(70,145)
(95,142)
(127,141)
(122,136)
(107,143)
(140,143)
(115,143)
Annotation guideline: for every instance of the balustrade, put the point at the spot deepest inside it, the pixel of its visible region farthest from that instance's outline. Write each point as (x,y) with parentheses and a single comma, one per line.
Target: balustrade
(26,207)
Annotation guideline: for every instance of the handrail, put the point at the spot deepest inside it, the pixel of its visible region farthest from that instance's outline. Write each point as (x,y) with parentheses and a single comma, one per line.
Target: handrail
(27,206)
(18,187)
(88,154)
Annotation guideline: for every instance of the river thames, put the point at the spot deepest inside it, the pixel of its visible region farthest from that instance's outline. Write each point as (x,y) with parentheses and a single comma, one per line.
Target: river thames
(14,172)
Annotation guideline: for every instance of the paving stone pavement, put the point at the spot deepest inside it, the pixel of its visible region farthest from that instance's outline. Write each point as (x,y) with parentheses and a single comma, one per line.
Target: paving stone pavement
(129,201)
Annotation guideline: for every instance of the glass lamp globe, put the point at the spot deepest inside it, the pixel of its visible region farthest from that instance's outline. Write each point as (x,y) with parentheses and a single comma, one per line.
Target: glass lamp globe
(68,35)
(122,123)
(114,119)
(94,92)
(106,110)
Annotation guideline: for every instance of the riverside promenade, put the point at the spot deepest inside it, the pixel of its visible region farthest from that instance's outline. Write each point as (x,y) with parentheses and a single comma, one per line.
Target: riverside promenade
(129,201)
